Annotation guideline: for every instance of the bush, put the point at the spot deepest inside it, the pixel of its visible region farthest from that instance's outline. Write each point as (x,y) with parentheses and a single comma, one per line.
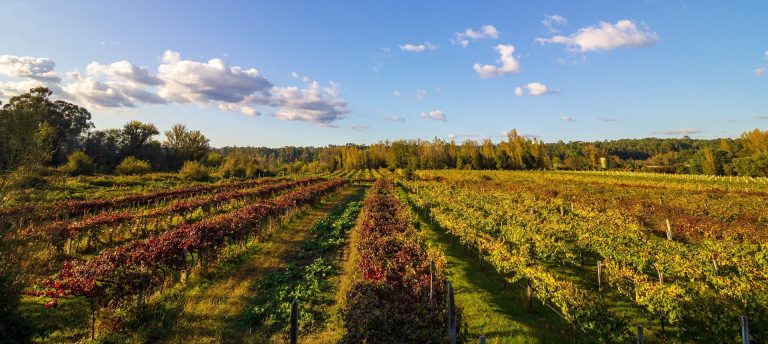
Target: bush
(131,165)
(26,177)
(79,164)
(194,170)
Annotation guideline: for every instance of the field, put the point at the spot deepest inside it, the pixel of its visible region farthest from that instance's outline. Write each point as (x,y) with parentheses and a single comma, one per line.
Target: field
(388,256)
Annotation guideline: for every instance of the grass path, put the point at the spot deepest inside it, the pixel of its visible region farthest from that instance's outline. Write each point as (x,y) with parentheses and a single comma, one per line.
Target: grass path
(334,329)
(490,308)
(211,310)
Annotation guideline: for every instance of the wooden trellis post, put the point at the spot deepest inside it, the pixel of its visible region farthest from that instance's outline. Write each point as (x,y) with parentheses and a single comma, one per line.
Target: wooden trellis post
(599,275)
(744,329)
(451,312)
(294,321)
(431,282)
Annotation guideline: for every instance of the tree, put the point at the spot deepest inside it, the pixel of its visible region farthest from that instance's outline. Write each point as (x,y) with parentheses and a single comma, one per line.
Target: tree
(185,145)
(25,139)
(104,147)
(69,122)
(134,138)
(755,141)
(755,165)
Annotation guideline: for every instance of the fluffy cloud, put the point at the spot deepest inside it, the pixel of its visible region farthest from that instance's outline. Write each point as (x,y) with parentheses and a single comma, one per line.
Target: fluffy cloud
(417,48)
(397,93)
(359,127)
(187,81)
(395,118)
(14,88)
(36,68)
(567,119)
(124,70)
(421,94)
(485,32)
(243,109)
(314,104)
(534,89)
(760,71)
(681,131)
(230,88)
(605,36)
(110,94)
(550,21)
(508,63)
(436,115)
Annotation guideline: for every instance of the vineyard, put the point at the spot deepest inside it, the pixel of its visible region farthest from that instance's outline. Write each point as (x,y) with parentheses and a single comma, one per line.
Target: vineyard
(682,258)
(383,256)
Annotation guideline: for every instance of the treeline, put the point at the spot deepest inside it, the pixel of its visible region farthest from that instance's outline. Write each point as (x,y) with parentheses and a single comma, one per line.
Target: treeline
(744,156)
(37,132)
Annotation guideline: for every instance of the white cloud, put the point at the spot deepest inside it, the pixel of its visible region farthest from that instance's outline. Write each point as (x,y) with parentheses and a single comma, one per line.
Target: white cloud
(14,88)
(187,81)
(508,63)
(243,109)
(607,119)
(301,77)
(359,127)
(124,70)
(681,131)
(314,104)
(485,32)
(108,94)
(760,71)
(550,21)
(534,89)
(36,68)
(232,89)
(395,118)
(761,117)
(606,36)
(565,118)
(421,94)
(417,48)
(436,115)
(417,95)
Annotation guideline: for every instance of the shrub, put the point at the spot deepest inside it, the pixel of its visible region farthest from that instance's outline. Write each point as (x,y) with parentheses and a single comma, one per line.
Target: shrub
(79,164)
(213,159)
(28,177)
(131,165)
(194,170)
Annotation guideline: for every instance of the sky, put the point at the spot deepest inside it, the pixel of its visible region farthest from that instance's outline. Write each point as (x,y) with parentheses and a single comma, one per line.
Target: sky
(313,73)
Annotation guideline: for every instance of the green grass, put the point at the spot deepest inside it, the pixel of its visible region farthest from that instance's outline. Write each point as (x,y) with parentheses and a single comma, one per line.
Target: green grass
(309,277)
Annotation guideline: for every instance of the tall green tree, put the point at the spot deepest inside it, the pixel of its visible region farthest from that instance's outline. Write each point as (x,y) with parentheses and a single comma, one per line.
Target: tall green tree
(134,138)
(25,139)
(185,145)
(68,122)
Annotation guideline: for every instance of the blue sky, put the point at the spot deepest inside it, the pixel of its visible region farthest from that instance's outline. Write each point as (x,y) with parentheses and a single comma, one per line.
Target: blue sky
(331,72)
